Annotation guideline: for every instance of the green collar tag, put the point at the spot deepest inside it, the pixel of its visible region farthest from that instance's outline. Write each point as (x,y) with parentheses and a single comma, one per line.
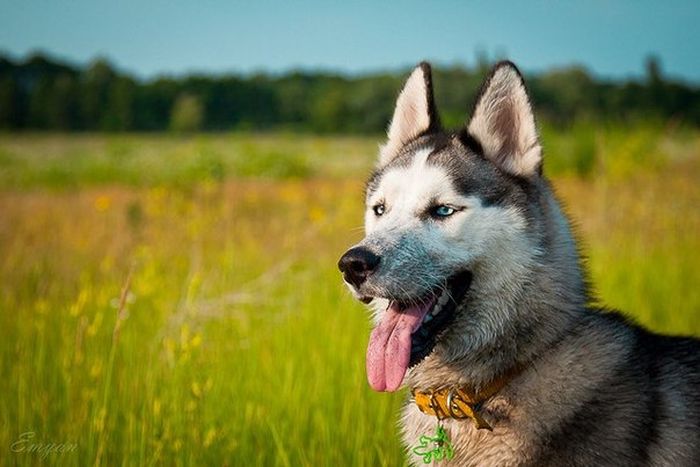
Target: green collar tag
(434,448)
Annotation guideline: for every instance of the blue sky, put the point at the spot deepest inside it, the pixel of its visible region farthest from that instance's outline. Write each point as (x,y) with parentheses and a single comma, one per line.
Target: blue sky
(611,38)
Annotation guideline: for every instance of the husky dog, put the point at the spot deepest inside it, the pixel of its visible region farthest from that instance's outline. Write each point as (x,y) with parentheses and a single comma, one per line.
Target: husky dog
(482,309)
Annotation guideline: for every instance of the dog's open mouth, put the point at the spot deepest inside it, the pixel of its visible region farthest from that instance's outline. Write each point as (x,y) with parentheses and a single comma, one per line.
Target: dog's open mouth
(409,331)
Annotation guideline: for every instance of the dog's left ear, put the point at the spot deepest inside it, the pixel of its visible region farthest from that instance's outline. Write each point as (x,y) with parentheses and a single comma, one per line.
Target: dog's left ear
(504,125)
(415,113)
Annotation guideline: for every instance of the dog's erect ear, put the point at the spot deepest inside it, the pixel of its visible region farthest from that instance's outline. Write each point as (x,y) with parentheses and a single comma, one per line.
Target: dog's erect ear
(415,113)
(503,123)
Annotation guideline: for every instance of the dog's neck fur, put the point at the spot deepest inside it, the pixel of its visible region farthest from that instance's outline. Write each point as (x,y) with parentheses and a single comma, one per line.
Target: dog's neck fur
(533,290)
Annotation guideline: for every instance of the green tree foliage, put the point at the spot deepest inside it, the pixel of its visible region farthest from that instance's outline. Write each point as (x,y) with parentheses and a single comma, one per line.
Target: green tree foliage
(187,114)
(97,81)
(9,102)
(42,93)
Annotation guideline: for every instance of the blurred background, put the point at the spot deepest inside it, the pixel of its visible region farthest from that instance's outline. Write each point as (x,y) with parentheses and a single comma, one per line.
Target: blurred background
(178,180)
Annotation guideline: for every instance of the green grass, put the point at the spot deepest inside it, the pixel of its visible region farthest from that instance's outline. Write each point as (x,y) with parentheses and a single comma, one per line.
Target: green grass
(54,161)
(237,343)
(31,161)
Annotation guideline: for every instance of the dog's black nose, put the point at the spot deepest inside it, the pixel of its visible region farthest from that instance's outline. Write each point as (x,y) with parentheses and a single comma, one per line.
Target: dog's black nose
(357,264)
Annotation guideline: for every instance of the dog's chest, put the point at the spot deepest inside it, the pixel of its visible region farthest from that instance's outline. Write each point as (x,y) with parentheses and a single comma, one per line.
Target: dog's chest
(472,447)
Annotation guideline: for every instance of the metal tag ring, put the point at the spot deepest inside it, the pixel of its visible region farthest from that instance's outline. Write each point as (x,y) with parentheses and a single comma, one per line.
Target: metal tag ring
(450,405)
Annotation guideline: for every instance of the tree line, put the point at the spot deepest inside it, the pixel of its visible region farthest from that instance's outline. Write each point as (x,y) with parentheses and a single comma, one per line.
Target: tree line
(41,93)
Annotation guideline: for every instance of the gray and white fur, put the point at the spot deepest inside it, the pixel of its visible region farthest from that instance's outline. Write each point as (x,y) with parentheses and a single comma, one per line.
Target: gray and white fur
(596,389)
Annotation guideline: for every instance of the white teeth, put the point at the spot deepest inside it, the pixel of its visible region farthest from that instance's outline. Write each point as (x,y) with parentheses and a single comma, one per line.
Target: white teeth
(441,302)
(443,299)
(437,308)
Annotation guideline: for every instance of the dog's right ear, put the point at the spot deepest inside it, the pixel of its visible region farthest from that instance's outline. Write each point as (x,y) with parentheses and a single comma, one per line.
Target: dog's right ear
(504,125)
(415,113)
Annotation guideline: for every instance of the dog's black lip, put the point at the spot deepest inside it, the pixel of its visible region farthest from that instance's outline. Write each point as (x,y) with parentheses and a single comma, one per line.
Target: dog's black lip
(426,337)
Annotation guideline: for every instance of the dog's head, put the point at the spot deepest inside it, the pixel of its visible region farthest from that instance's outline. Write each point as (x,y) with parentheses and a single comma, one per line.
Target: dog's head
(443,209)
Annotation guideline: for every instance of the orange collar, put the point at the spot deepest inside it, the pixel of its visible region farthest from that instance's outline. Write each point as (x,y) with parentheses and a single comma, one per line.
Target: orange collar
(461,402)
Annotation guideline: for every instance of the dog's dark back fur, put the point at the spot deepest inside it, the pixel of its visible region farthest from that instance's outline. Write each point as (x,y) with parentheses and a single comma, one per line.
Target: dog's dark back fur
(646,412)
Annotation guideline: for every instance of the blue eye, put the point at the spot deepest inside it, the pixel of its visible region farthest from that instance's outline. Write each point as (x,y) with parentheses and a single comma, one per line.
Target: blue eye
(442,211)
(378,209)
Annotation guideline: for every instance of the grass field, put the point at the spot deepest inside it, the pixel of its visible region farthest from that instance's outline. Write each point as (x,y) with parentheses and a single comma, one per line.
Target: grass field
(174,300)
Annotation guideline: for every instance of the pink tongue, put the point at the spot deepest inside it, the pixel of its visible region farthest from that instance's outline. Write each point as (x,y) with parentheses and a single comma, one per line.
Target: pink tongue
(389,348)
